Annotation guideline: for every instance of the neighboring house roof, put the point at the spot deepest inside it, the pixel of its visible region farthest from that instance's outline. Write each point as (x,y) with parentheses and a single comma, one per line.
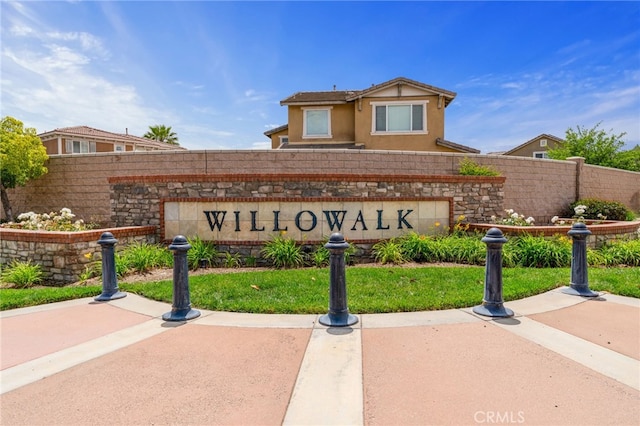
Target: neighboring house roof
(457,146)
(90,132)
(343,96)
(276,130)
(542,136)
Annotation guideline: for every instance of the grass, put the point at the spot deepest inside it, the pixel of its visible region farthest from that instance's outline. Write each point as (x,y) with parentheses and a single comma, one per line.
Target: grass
(370,289)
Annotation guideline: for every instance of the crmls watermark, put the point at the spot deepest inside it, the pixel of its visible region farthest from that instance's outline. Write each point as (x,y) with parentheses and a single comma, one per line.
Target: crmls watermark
(499,417)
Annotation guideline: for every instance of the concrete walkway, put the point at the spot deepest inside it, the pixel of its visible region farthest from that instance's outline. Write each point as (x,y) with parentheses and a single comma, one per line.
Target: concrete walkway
(562,360)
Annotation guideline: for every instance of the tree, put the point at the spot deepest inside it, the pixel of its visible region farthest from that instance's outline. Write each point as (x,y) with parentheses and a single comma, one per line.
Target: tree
(595,145)
(162,133)
(629,160)
(22,158)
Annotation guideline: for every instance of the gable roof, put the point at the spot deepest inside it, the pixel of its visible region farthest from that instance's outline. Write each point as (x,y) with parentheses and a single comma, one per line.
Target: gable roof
(90,132)
(544,135)
(276,130)
(457,146)
(343,96)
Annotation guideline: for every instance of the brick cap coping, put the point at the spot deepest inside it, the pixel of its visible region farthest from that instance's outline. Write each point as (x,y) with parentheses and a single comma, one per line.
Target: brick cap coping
(607,228)
(75,236)
(289,177)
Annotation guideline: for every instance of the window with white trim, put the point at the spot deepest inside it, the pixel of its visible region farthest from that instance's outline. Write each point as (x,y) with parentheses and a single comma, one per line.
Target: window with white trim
(540,154)
(543,142)
(118,147)
(399,117)
(79,147)
(316,123)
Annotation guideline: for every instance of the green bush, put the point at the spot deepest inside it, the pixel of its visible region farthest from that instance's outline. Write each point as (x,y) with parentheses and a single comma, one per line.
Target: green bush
(596,209)
(231,260)
(540,252)
(283,253)
(625,252)
(22,274)
(201,252)
(471,168)
(389,251)
(142,257)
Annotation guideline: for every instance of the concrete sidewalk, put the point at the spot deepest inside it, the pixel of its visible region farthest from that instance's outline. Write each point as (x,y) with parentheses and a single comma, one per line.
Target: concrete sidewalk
(561,360)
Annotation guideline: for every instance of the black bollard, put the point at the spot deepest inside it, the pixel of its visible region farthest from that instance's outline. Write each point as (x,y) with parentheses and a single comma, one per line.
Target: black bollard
(338,315)
(109,278)
(492,304)
(181,308)
(579,275)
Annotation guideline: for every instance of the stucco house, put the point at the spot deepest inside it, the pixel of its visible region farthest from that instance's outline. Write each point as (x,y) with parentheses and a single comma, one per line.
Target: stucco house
(85,140)
(536,147)
(399,114)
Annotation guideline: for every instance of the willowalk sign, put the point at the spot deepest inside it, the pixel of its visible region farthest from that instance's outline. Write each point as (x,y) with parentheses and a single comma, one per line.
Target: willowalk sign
(304,220)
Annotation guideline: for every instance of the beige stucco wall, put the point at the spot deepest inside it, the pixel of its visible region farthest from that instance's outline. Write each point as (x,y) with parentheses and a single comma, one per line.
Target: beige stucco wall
(533,187)
(341,124)
(534,146)
(408,142)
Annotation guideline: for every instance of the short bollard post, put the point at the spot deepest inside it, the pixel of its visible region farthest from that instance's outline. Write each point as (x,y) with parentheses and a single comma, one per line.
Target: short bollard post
(579,276)
(181,308)
(492,304)
(109,278)
(338,315)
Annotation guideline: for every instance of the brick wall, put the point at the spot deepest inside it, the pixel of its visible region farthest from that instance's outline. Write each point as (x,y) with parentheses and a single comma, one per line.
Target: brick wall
(533,187)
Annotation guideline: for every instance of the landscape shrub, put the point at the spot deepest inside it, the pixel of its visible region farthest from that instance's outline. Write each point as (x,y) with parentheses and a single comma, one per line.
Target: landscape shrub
(540,252)
(283,252)
(22,274)
(597,209)
(201,254)
(471,168)
(389,251)
(142,257)
(53,221)
(625,252)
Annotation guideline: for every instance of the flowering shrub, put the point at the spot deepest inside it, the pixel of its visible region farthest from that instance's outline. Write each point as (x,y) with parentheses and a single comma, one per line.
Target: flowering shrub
(62,221)
(513,219)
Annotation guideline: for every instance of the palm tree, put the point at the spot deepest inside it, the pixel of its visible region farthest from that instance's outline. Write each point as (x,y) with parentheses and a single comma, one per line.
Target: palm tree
(162,133)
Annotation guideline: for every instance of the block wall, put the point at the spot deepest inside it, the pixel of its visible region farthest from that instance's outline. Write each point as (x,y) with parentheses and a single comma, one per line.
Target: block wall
(533,187)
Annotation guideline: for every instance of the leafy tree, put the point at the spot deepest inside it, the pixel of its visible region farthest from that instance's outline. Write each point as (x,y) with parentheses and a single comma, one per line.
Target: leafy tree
(595,145)
(22,158)
(162,133)
(629,160)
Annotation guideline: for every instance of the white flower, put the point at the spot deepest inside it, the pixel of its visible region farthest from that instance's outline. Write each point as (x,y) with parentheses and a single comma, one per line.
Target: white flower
(509,211)
(554,219)
(514,215)
(530,220)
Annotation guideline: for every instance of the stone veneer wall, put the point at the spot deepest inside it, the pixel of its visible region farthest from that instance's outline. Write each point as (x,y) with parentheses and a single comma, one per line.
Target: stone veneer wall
(137,200)
(63,256)
(533,187)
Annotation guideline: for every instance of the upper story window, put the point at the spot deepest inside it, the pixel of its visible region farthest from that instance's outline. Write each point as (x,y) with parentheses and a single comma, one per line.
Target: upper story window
(543,142)
(540,154)
(118,147)
(79,147)
(399,117)
(316,123)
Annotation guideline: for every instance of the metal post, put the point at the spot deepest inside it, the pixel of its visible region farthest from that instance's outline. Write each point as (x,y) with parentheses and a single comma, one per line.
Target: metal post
(579,274)
(492,304)
(181,308)
(338,315)
(109,278)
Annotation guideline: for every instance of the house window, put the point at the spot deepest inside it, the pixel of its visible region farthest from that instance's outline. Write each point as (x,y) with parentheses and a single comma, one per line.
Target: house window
(317,123)
(79,147)
(399,117)
(284,139)
(118,147)
(543,142)
(540,154)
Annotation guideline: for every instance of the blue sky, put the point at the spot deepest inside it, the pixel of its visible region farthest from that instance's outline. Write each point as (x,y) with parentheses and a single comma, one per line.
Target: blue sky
(216,71)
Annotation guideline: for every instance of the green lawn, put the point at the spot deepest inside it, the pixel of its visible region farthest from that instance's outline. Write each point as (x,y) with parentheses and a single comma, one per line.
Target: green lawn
(370,289)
